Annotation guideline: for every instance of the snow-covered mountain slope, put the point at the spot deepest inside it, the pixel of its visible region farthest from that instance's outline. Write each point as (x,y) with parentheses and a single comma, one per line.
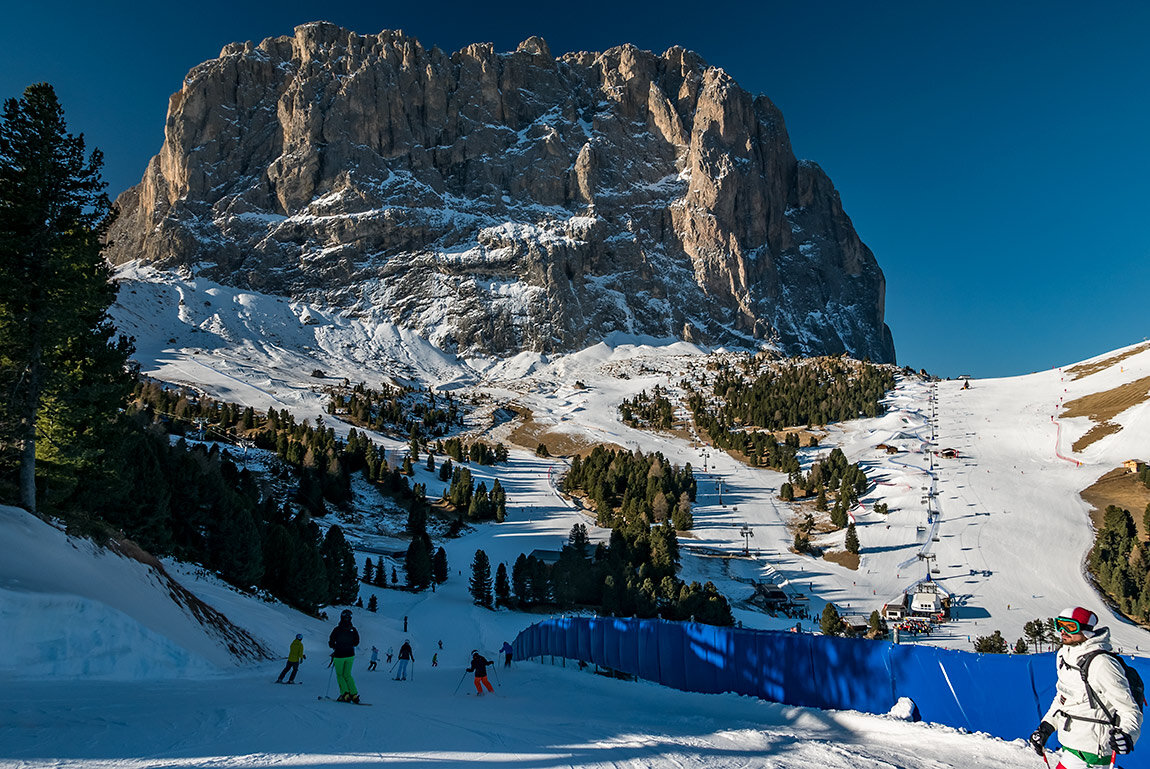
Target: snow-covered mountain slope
(159,705)
(69,608)
(1012,531)
(169,698)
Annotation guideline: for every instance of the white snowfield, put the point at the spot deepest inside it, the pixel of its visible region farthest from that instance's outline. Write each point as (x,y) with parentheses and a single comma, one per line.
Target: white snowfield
(135,686)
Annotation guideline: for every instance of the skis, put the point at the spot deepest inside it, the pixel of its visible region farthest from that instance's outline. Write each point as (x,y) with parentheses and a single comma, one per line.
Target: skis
(289,683)
(345,702)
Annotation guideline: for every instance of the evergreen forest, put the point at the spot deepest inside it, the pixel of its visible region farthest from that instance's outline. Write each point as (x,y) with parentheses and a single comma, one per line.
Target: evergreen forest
(632,575)
(631,490)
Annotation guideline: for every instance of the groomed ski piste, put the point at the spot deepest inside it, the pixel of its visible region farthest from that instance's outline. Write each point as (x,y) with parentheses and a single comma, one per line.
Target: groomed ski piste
(1006,537)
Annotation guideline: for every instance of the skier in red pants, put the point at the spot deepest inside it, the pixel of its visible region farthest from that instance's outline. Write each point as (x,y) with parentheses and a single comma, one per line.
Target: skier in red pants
(479,665)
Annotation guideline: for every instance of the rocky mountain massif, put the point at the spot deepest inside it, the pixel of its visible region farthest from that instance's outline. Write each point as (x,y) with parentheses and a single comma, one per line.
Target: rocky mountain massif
(500,202)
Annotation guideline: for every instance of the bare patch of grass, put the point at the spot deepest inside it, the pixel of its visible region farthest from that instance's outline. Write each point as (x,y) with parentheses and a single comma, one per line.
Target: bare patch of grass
(1122,488)
(1086,369)
(528,434)
(1096,433)
(843,558)
(1104,406)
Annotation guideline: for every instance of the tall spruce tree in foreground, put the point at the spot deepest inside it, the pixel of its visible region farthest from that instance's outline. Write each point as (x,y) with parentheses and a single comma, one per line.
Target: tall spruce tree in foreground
(480,584)
(61,364)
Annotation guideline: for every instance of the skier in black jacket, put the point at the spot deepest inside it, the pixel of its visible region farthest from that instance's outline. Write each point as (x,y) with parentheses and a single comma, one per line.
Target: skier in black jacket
(479,665)
(343,640)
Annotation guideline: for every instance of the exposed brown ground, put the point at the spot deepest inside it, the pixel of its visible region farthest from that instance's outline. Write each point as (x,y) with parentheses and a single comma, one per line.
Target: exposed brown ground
(1086,369)
(1096,433)
(1122,488)
(843,558)
(528,434)
(1104,406)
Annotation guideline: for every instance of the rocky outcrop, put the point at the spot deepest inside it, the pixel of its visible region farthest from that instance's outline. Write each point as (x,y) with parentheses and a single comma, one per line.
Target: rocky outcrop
(505,201)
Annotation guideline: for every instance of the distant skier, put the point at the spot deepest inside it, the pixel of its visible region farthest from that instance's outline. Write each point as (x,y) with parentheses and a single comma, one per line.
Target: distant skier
(374,659)
(506,651)
(390,653)
(405,656)
(1094,711)
(435,660)
(479,665)
(295,656)
(343,640)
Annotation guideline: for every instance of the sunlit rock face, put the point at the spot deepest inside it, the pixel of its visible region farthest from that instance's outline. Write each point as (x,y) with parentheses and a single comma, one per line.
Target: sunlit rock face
(500,202)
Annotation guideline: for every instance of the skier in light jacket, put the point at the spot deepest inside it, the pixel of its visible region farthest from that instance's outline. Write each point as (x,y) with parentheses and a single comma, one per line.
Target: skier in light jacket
(1090,728)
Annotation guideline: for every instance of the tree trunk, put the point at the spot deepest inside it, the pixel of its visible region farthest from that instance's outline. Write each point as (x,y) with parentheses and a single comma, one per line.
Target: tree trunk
(30,407)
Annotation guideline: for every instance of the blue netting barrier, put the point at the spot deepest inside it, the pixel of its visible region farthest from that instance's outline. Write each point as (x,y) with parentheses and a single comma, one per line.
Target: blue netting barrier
(1002,695)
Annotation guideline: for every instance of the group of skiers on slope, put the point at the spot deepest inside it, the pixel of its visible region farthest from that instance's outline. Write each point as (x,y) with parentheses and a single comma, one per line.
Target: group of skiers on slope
(343,641)
(1095,711)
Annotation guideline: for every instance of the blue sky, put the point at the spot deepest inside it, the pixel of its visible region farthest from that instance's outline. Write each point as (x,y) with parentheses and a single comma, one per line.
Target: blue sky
(994,156)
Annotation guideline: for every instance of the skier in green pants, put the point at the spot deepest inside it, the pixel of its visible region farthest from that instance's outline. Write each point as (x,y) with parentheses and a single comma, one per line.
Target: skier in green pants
(343,640)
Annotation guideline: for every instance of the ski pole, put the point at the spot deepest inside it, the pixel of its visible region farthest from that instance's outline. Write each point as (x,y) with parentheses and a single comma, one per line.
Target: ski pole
(496,669)
(460,682)
(331,667)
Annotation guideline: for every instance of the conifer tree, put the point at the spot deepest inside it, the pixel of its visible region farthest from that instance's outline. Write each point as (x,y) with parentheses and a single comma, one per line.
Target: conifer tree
(502,586)
(831,622)
(418,564)
(991,644)
(520,578)
(852,540)
(372,603)
(62,368)
(368,571)
(875,625)
(480,584)
(439,568)
(339,561)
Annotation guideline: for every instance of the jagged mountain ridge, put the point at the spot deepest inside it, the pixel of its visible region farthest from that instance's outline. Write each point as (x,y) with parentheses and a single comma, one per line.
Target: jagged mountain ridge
(504,202)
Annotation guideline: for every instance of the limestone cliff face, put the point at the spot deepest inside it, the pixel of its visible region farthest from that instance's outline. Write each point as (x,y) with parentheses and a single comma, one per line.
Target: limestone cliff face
(505,201)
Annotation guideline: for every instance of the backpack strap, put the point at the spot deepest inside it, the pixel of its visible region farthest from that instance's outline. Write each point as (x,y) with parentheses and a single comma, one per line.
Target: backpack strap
(1091,697)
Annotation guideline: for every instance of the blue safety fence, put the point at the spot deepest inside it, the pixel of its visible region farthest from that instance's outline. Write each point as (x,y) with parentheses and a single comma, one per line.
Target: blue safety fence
(1002,695)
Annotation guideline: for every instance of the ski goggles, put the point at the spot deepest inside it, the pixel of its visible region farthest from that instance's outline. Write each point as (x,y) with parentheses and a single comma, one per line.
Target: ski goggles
(1067,625)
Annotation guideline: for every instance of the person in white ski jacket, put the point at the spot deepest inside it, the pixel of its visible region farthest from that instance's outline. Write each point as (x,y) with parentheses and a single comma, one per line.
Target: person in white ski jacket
(1090,729)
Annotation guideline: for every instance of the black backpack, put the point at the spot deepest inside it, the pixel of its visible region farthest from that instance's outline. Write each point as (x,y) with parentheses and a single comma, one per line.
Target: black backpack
(1133,680)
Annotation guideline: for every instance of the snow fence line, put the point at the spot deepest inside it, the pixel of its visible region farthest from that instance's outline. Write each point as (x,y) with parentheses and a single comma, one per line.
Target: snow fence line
(999,694)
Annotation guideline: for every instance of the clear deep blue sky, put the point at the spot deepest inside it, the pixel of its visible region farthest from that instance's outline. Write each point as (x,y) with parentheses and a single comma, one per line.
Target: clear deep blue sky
(993,155)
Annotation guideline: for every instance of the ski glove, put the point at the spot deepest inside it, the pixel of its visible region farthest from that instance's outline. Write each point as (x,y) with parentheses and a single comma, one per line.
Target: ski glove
(1040,736)
(1120,741)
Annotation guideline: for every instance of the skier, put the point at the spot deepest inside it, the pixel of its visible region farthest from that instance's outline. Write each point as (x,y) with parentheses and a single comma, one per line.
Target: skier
(479,665)
(390,653)
(435,660)
(405,655)
(1093,711)
(343,640)
(506,650)
(295,656)
(374,659)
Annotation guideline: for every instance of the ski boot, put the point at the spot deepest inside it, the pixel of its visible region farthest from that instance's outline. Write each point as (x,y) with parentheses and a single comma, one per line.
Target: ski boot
(345,697)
